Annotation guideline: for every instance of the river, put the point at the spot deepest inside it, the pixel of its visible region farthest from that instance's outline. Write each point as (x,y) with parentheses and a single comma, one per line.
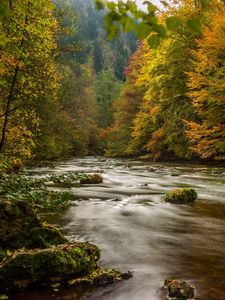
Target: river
(127,218)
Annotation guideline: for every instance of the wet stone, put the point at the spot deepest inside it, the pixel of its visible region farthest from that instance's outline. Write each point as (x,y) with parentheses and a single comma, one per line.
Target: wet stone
(92,179)
(179,290)
(25,267)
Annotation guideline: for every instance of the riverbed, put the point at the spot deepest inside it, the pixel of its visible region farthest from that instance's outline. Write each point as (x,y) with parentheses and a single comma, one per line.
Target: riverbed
(137,231)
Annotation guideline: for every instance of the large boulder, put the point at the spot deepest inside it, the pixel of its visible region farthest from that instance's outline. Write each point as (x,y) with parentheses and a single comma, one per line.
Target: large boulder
(181,196)
(56,264)
(20,227)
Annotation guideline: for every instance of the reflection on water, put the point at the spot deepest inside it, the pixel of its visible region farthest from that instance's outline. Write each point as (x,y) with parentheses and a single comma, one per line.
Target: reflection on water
(127,218)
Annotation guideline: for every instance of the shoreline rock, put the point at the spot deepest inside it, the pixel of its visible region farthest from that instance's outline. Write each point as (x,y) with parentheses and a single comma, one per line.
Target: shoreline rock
(33,253)
(20,227)
(54,264)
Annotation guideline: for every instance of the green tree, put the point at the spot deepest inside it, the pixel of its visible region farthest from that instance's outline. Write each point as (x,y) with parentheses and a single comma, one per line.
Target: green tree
(107,90)
(118,135)
(92,36)
(148,25)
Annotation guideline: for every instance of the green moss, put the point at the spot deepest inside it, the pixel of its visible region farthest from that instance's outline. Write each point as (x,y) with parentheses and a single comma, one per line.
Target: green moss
(48,265)
(98,277)
(20,227)
(2,254)
(181,196)
(45,236)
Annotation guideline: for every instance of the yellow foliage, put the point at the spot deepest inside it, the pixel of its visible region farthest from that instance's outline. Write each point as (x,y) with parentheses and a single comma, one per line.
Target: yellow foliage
(207,87)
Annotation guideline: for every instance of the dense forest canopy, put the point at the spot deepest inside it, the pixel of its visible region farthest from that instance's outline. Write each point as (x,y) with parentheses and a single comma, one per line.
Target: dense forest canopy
(56,64)
(66,89)
(172,104)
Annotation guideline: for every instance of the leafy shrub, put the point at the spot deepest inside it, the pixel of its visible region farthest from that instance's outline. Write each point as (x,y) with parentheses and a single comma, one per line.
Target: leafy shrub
(34,191)
(75,177)
(68,178)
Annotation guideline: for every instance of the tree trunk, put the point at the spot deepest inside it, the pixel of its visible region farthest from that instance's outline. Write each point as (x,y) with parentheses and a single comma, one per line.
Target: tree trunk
(10,97)
(7,110)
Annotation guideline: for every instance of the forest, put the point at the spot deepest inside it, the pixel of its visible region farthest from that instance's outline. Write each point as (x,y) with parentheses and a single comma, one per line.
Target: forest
(67,90)
(59,77)
(112,129)
(171,105)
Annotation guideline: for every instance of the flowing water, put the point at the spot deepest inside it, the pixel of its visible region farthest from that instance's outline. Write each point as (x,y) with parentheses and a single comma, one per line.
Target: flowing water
(127,218)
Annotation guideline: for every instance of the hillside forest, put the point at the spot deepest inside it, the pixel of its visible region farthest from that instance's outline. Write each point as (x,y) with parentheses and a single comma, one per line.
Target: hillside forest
(67,90)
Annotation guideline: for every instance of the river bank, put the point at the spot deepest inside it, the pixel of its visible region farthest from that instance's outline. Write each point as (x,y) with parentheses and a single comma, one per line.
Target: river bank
(34,253)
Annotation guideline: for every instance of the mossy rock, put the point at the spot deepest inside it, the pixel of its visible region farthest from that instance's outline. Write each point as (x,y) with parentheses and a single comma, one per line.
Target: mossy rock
(56,264)
(33,253)
(92,179)
(3,253)
(181,196)
(20,227)
(100,277)
(179,290)
(45,236)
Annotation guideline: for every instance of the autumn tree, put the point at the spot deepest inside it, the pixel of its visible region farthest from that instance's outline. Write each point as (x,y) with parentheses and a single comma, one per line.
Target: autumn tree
(156,128)
(28,73)
(207,88)
(118,135)
(78,100)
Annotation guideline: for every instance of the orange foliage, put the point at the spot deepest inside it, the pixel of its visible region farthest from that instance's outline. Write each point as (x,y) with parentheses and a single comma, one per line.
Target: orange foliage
(207,88)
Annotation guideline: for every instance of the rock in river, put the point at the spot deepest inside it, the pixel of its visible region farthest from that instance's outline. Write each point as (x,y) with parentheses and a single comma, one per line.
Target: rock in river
(181,196)
(179,290)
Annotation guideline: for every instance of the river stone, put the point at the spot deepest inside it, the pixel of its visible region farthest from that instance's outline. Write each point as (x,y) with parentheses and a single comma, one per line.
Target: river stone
(92,179)
(181,196)
(179,290)
(20,227)
(56,264)
(101,277)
